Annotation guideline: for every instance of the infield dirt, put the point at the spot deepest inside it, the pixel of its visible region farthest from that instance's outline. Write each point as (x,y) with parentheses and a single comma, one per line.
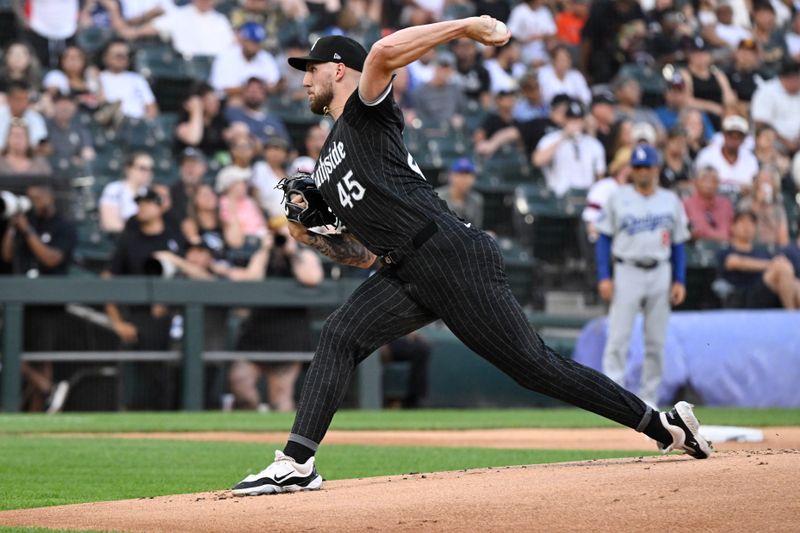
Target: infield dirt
(735,490)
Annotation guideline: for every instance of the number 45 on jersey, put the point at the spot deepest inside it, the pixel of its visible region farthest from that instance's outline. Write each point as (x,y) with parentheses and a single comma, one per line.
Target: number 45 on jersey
(350,190)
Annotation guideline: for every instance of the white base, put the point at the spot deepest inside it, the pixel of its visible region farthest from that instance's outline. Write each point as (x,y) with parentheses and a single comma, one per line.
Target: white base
(731,434)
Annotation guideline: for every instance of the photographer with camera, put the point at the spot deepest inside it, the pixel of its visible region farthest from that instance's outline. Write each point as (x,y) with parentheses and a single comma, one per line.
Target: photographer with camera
(145,327)
(38,242)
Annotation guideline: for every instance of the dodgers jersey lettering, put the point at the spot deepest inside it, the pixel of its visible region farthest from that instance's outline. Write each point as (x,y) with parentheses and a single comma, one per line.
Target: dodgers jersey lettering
(643,227)
(370,180)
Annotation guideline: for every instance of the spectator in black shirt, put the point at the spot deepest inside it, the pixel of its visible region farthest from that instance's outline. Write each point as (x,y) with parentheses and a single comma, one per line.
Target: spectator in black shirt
(677,166)
(472,75)
(40,243)
(745,74)
(68,138)
(145,327)
(756,279)
(202,124)
(601,120)
(501,118)
(193,168)
(602,48)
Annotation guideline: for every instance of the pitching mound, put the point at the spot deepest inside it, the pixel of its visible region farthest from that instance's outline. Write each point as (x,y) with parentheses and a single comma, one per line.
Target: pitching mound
(732,491)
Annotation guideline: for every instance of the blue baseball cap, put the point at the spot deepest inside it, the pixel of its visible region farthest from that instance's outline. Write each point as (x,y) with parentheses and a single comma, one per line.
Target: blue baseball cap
(463,165)
(644,155)
(252,31)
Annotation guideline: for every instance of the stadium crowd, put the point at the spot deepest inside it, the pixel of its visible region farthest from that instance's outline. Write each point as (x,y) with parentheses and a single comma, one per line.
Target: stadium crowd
(163,126)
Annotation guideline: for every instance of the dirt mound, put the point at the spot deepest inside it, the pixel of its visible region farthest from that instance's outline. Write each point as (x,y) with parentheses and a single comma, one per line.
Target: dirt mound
(732,491)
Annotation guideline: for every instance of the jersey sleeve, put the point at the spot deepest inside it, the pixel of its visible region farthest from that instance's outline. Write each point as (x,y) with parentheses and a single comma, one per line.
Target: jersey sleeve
(606,222)
(383,110)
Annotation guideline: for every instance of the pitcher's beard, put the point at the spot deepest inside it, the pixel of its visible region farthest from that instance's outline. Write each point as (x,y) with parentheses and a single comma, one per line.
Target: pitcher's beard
(321,101)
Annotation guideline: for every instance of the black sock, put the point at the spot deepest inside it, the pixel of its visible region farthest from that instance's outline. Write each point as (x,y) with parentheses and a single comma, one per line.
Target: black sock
(299,453)
(656,430)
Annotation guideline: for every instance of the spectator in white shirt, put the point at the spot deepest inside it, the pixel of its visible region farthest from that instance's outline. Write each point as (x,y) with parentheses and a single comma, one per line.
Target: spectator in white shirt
(793,38)
(505,69)
(196,29)
(570,158)
(52,25)
(532,24)
(560,78)
(139,12)
(119,84)
(735,164)
(18,98)
(118,200)
(245,60)
(777,104)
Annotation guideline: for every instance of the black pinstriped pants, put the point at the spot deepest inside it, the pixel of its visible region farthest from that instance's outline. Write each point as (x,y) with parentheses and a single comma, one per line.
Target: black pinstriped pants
(458,276)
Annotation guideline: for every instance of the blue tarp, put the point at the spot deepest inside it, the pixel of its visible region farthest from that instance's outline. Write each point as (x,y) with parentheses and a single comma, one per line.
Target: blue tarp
(741,358)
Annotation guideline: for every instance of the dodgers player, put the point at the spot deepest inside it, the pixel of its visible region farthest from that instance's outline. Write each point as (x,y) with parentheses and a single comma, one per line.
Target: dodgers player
(645,227)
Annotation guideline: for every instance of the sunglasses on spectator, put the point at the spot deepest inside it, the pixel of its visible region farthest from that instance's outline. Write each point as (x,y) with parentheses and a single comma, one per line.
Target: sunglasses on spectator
(144,168)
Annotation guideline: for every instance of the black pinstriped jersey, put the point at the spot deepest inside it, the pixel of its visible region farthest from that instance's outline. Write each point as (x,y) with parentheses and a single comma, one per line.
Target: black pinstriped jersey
(370,180)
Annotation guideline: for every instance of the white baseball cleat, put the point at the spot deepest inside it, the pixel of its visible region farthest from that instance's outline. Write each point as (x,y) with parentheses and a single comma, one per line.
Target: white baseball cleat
(685,430)
(283,475)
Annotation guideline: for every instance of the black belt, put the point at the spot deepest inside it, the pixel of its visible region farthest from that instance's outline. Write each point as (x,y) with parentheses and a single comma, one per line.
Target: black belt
(394,257)
(644,264)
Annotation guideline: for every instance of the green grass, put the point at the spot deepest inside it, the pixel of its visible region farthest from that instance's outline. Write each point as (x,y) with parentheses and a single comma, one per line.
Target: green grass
(364,420)
(36,472)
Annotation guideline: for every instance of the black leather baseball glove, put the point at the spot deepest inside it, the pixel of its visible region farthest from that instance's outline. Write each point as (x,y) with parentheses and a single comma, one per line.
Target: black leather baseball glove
(303,203)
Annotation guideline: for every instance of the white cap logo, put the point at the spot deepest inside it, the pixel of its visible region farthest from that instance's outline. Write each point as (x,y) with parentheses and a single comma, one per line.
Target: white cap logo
(336,56)
(315,44)
(640,154)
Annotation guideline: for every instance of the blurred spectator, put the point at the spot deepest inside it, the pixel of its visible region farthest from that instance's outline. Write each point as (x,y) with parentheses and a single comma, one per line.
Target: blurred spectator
(667,35)
(628,92)
(19,108)
(692,121)
(710,213)
(708,87)
(75,77)
(50,26)
(17,157)
(195,29)
(792,253)
(531,105)
(291,84)
(138,12)
(118,200)
(619,172)
(458,193)
(601,120)
(755,279)
(501,119)
(240,215)
(421,70)
(440,100)
(243,149)
(191,171)
(677,164)
(313,142)
(125,88)
(243,61)
(560,78)
(505,68)
(201,123)
(619,136)
(772,228)
(735,164)
(569,23)
(767,153)
(532,24)
(529,132)
(793,38)
(202,224)
(676,100)
(776,103)
(145,327)
(643,132)
(267,174)
(768,36)
(745,74)
(498,9)
(611,27)
(725,33)
(19,64)
(414,349)
(414,13)
(570,158)
(68,138)
(253,113)
(276,329)
(40,243)
(471,74)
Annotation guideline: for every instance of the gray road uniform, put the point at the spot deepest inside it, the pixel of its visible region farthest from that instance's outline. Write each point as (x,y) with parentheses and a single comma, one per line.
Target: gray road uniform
(645,233)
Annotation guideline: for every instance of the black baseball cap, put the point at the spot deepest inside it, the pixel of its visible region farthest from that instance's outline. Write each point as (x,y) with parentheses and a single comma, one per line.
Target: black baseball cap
(575,110)
(333,49)
(148,194)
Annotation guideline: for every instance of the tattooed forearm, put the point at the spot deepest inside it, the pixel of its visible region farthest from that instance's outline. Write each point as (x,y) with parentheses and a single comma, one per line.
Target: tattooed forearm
(342,248)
